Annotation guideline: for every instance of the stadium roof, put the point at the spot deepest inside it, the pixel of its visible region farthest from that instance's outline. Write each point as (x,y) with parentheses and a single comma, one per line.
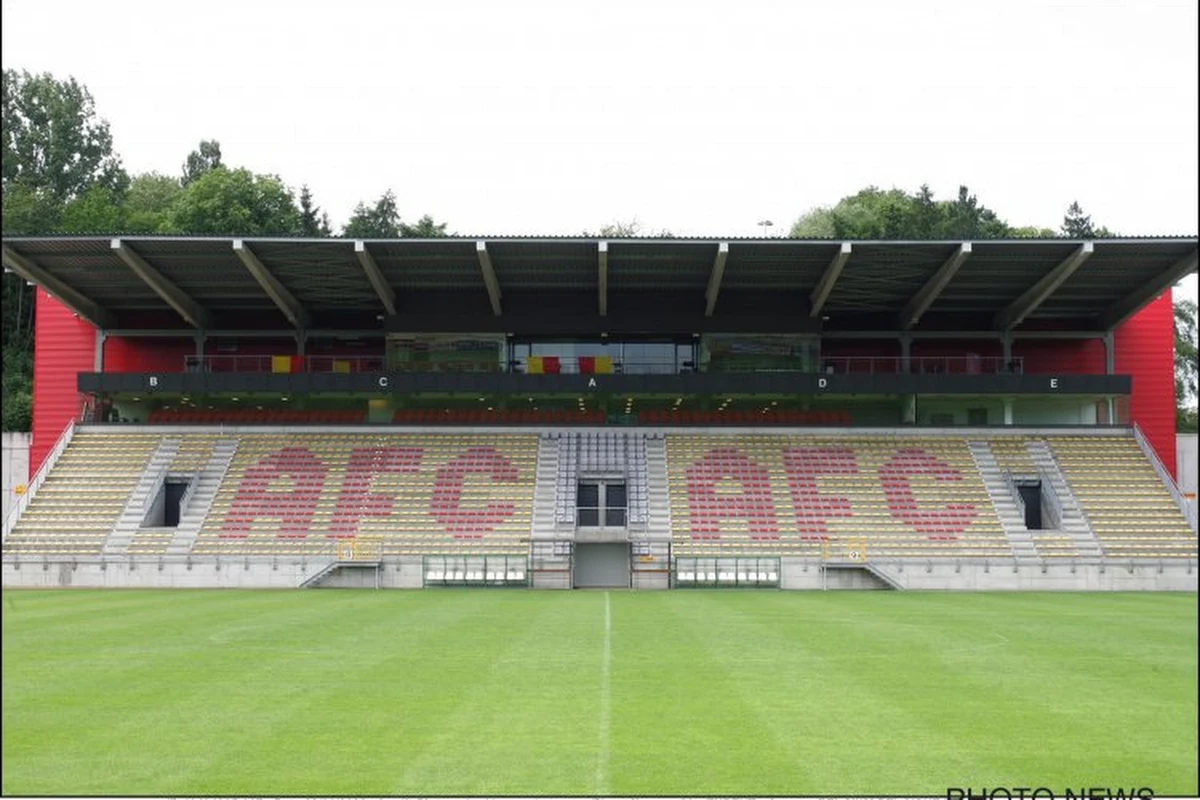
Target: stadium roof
(198,282)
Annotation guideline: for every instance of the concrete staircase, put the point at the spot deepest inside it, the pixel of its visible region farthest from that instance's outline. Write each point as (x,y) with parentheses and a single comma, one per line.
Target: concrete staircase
(658,498)
(199,500)
(546,487)
(1073,522)
(1007,508)
(138,505)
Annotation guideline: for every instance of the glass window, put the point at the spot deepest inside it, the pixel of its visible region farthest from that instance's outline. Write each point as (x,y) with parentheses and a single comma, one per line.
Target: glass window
(589,495)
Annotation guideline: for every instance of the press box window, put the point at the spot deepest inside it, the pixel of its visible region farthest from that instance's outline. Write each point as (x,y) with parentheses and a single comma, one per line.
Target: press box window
(601,504)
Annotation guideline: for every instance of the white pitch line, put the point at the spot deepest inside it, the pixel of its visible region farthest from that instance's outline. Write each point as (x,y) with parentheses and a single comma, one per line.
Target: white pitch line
(605,702)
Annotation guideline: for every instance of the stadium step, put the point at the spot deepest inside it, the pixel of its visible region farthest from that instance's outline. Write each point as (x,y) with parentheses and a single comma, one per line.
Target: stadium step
(545,490)
(207,483)
(138,505)
(1073,522)
(1003,501)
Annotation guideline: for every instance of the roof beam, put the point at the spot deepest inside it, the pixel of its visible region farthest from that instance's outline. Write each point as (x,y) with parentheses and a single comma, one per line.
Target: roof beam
(923,299)
(80,304)
(715,277)
(602,277)
(191,311)
(387,295)
(289,305)
(1115,315)
(825,286)
(1015,312)
(489,275)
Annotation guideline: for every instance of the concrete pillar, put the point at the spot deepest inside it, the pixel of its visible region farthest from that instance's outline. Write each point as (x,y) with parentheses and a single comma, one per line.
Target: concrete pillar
(1008,411)
(910,409)
(906,353)
(1112,409)
(98,356)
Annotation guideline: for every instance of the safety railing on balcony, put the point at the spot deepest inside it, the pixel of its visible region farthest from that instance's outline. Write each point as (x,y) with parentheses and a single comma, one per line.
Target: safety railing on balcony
(922,365)
(552,365)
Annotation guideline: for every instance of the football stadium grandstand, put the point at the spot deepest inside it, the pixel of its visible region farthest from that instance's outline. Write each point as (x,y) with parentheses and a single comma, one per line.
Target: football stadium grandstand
(575,412)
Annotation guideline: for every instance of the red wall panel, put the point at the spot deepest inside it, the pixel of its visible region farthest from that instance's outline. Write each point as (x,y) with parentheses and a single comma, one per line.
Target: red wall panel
(66,346)
(250,346)
(1060,356)
(1145,349)
(956,348)
(138,354)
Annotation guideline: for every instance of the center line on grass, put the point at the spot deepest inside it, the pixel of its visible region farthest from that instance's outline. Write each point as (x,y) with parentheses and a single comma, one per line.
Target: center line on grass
(605,702)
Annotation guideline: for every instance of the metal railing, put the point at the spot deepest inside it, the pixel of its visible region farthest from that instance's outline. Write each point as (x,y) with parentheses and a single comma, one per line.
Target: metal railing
(1189,510)
(1051,498)
(39,478)
(922,365)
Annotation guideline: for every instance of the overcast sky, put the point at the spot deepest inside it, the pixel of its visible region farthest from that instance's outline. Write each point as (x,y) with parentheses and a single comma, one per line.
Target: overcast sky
(699,118)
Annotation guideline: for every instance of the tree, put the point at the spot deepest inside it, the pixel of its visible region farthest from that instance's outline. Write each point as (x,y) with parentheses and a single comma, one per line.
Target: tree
(95,211)
(1078,225)
(149,201)
(380,221)
(53,143)
(633,229)
(425,228)
(1185,364)
(874,213)
(236,203)
(205,158)
(57,168)
(313,221)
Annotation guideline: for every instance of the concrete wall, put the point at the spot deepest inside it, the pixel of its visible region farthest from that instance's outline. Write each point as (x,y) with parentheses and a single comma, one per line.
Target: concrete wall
(15,465)
(1185,466)
(405,573)
(1051,577)
(132,573)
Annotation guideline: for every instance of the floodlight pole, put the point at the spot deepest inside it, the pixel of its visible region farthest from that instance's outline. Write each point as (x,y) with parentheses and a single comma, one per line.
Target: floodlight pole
(764,224)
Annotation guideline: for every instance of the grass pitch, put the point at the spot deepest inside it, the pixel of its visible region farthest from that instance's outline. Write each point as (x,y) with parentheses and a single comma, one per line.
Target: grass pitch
(514,692)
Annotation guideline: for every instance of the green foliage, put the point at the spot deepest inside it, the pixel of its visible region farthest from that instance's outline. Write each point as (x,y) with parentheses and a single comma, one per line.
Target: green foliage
(52,139)
(205,158)
(236,202)
(1185,357)
(380,221)
(29,211)
(631,229)
(18,388)
(148,203)
(691,692)
(425,228)
(94,211)
(313,221)
(1078,225)
(874,213)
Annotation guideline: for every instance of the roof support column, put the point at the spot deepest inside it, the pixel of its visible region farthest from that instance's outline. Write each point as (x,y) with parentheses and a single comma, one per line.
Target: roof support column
(283,299)
(602,278)
(375,275)
(191,311)
(906,353)
(489,275)
(1016,312)
(1110,353)
(714,278)
(825,286)
(923,299)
